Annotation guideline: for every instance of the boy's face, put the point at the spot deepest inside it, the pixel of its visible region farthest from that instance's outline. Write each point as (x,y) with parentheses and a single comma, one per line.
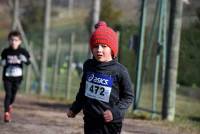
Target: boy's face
(15,42)
(102,53)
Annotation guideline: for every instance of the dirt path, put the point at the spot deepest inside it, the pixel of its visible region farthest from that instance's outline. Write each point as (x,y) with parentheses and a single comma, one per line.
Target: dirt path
(35,116)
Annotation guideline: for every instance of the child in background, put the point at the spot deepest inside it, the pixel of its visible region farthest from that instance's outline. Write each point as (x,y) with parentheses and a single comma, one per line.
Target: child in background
(12,59)
(105,90)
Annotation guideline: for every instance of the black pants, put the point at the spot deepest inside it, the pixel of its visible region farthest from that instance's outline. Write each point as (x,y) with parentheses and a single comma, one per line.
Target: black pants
(102,128)
(11,87)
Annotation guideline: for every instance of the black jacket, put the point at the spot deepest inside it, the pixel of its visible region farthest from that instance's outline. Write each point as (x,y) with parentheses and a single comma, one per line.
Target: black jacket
(103,86)
(13,62)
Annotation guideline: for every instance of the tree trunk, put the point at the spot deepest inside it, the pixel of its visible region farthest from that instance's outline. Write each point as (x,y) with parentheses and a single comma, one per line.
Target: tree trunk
(69,67)
(175,25)
(44,59)
(95,14)
(16,14)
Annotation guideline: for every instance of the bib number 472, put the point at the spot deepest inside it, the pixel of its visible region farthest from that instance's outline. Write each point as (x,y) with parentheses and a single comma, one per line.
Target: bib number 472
(97,90)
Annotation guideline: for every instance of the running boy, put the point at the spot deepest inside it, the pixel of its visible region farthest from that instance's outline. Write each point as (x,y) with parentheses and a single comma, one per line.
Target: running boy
(105,91)
(12,59)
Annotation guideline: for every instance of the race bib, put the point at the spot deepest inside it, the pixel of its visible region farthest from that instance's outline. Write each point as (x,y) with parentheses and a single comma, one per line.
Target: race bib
(13,71)
(98,86)
(13,59)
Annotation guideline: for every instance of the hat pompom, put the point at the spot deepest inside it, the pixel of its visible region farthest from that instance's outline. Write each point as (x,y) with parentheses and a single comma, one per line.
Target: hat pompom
(100,24)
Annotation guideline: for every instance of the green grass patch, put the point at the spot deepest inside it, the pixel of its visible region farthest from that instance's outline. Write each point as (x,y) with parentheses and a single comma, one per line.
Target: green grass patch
(187,111)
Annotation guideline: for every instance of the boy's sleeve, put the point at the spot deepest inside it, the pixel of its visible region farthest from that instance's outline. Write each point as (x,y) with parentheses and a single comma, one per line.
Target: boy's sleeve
(125,97)
(3,58)
(27,55)
(3,55)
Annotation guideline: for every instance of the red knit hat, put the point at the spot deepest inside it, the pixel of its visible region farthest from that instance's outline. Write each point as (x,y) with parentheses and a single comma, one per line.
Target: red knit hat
(104,35)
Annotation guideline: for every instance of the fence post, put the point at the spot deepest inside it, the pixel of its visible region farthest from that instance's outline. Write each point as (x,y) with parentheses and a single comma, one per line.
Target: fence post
(45,46)
(140,55)
(69,66)
(56,67)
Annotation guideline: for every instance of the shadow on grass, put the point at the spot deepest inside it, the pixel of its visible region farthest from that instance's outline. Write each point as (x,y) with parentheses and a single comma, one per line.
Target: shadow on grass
(194,118)
(144,114)
(149,111)
(57,106)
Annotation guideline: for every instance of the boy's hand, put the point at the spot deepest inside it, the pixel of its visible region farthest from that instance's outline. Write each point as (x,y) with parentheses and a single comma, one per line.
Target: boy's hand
(108,116)
(70,114)
(3,62)
(22,58)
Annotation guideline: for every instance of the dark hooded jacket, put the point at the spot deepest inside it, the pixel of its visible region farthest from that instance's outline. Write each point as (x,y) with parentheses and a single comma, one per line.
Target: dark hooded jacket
(104,86)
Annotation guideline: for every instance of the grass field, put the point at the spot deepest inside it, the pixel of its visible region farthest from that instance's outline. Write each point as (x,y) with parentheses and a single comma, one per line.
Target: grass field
(187,110)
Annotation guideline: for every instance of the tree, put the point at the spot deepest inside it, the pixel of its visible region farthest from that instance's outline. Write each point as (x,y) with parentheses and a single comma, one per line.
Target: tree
(33,16)
(32,20)
(198,13)
(109,14)
(189,54)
